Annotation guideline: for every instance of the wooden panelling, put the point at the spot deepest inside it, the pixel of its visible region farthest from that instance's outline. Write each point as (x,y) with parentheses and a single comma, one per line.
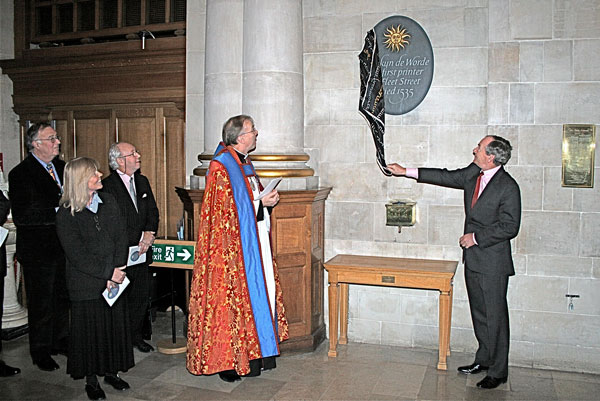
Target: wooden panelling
(292,280)
(92,139)
(175,169)
(291,234)
(141,133)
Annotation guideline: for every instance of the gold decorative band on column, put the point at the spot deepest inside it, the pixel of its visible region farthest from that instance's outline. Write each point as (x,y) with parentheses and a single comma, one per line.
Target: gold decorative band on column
(268,171)
(265,157)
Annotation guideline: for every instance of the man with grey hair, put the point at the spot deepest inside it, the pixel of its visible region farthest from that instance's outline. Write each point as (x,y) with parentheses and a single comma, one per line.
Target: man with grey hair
(236,314)
(35,187)
(135,198)
(492,218)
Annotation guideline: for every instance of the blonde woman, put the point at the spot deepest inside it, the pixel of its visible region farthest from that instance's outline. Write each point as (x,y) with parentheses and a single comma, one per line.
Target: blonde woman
(92,234)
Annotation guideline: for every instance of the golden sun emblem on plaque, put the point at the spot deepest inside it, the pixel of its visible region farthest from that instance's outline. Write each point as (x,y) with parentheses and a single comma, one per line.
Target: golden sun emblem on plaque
(396,38)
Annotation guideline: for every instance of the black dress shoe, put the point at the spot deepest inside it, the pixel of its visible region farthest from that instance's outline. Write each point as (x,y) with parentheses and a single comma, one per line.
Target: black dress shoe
(491,382)
(472,369)
(6,371)
(116,382)
(143,346)
(46,363)
(229,376)
(95,392)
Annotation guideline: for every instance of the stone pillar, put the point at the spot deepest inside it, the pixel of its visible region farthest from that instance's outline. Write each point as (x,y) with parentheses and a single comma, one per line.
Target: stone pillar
(273,90)
(223,67)
(14,314)
(262,77)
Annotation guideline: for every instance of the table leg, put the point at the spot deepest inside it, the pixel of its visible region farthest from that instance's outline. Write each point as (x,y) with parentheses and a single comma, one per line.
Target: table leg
(343,313)
(450,318)
(444,335)
(333,318)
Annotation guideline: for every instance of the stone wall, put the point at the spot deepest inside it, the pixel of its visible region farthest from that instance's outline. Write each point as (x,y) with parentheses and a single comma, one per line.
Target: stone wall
(520,69)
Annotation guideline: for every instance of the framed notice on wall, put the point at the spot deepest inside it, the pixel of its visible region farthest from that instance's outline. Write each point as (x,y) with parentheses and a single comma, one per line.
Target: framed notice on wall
(578,151)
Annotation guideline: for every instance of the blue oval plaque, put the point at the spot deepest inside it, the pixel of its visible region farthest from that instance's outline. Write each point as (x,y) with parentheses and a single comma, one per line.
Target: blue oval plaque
(406,59)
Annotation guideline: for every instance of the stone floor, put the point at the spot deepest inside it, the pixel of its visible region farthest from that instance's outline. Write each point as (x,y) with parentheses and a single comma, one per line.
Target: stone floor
(360,372)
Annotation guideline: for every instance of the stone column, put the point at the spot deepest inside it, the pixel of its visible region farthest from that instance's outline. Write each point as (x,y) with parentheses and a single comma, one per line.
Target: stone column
(14,314)
(273,78)
(223,67)
(262,77)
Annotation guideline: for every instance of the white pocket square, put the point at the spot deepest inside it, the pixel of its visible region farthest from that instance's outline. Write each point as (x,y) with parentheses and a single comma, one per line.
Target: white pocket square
(144,195)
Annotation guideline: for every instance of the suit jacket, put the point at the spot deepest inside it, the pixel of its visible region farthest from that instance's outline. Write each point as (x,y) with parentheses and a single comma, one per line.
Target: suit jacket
(34,198)
(4,208)
(145,218)
(495,218)
(92,253)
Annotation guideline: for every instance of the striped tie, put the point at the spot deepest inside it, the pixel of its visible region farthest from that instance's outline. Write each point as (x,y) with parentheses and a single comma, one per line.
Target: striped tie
(132,192)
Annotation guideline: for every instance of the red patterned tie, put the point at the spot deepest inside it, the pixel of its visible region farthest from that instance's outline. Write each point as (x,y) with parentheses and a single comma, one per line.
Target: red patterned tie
(476,193)
(51,171)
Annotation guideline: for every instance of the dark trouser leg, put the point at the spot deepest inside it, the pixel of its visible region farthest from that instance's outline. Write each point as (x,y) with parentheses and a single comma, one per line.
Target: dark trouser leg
(137,298)
(489,311)
(1,307)
(47,308)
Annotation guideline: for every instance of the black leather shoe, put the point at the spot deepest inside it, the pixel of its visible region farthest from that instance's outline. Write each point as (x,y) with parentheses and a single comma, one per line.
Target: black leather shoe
(116,382)
(95,392)
(491,382)
(229,376)
(47,363)
(143,346)
(6,371)
(472,369)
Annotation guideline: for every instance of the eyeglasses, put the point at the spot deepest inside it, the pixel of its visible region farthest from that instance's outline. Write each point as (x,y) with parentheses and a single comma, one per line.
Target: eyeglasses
(254,131)
(52,139)
(97,222)
(135,152)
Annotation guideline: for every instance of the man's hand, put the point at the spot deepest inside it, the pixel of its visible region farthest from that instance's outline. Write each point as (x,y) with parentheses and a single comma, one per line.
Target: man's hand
(466,241)
(118,275)
(397,169)
(271,199)
(147,241)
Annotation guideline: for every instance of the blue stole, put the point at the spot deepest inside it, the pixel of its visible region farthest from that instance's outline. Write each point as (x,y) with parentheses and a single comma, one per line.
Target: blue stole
(251,250)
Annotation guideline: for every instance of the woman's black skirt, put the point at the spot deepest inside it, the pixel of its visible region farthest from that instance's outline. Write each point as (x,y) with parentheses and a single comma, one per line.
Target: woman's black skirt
(100,338)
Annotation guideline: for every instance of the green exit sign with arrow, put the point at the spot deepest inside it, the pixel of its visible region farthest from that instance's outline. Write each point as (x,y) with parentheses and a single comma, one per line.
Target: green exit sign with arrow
(173,253)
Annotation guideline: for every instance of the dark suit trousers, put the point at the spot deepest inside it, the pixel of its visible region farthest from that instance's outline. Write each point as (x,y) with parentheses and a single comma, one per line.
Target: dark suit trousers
(138,298)
(47,308)
(489,311)
(1,305)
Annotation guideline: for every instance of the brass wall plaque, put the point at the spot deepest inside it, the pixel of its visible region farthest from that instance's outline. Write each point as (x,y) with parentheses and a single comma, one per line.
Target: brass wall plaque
(400,213)
(578,153)
(388,279)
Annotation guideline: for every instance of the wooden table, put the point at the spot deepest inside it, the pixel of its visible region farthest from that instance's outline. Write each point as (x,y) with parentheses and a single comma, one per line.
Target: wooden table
(390,272)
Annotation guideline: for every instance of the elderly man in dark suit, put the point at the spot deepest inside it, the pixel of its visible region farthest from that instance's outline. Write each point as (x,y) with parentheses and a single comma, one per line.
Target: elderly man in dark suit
(35,187)
(5,370)
(492,218)
(138,206)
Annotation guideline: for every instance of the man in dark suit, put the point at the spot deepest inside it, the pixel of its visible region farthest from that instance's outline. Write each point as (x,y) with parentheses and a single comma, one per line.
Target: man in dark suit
(492,218)
(5,370)
(35,187)
(138,206)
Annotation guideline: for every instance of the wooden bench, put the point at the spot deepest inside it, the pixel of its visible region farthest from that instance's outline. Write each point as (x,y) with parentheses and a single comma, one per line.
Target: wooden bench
(390,272)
